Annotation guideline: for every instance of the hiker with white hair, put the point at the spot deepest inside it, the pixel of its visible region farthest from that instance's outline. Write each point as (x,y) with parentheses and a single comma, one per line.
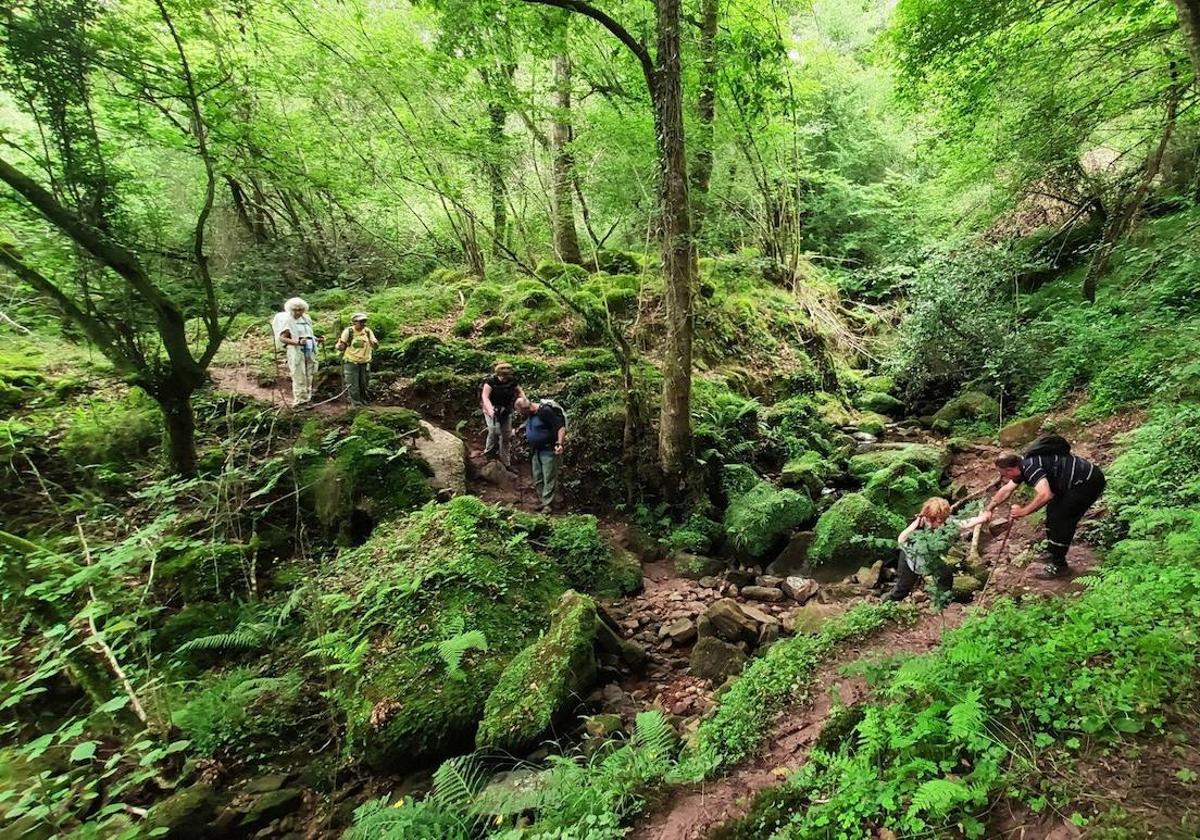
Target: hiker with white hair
(356,343)
(296,333)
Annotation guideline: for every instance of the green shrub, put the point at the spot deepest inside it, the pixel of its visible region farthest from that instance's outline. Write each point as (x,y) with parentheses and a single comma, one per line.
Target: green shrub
(759,518)
(113,431)
(1160,472)
(238,712)
(697,535)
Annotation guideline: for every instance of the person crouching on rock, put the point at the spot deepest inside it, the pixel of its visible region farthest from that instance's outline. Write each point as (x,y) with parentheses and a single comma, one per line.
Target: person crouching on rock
(913,565)
(500,393)
(546,434)
(1065,484)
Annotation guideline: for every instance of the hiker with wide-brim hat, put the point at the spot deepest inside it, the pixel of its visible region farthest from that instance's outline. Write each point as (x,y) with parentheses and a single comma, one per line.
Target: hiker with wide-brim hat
(1063,483)
(499,395)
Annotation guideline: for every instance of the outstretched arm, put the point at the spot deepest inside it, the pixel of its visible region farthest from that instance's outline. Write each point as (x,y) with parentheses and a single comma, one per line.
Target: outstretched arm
(1042,495)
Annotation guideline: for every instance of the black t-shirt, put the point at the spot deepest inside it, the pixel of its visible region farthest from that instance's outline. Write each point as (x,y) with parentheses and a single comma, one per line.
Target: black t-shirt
(1062,472)
(541,430)
(504,394)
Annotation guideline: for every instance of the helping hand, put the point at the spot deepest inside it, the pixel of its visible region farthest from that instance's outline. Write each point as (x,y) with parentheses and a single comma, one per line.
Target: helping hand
(558,449)
(1015,512)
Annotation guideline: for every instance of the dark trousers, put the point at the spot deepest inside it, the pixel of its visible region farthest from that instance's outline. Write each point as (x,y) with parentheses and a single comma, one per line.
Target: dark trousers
(1064,512)
(906,579)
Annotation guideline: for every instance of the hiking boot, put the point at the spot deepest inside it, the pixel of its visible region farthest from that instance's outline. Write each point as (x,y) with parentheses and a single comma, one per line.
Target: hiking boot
(1053,571)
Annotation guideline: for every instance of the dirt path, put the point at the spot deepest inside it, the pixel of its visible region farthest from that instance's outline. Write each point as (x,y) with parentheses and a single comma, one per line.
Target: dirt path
(692,813)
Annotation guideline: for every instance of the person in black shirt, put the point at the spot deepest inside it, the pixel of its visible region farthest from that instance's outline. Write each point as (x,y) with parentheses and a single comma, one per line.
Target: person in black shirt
(546,434)
(1066,485)
(500,393)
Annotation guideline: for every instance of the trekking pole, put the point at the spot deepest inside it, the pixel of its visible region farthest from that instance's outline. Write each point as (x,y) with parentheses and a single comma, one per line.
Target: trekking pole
(1001,558)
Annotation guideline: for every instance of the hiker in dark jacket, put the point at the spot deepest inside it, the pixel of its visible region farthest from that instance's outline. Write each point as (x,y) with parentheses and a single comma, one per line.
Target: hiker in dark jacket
(499,396)
(1065,484)
(546,434)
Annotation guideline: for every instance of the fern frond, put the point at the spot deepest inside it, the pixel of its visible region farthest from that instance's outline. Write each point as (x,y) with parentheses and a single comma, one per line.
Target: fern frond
(457,782)
(237,640)
(938,796)
(291,605)
(966,716)
(654,734)
(453,650)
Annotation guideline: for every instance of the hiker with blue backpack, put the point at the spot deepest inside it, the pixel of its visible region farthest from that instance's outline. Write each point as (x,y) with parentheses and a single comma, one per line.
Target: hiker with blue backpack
(546,435)
(1063,483)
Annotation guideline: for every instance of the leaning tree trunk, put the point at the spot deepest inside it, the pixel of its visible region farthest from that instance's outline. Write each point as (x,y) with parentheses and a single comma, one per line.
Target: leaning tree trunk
(1188,12)
(675,428)
(566,239)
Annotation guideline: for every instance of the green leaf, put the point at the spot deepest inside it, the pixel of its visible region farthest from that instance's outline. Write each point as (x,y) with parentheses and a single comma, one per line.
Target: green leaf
(84,751)
(113,705)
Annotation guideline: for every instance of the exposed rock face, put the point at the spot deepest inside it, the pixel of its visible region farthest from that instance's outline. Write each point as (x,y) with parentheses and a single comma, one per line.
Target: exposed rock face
(1020,432)
(811,617)
(799,589)
(731,623)
(537,686)
(762,593)
(446,455)
(792,559)
(681,631)
(494,473)
(717,660)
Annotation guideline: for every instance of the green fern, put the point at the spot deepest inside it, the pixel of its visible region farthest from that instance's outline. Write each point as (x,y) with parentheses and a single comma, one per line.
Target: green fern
(966,716)
(239,641)
(937,796)
(452,650)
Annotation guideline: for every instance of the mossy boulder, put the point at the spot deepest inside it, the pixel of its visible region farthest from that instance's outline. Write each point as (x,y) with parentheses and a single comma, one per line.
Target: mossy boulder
(879,403)
(540,682)
(879,384)
(925,457)
(968,406)
(902,487)
(363,467)
(183,815)
(811,470)
(871,423)
(843,537)
(761,517)
(589,563)
(832,411)
(430,611)
(1020,432)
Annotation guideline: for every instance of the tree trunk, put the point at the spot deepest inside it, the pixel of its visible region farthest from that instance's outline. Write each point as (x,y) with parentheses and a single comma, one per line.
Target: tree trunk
(176,403)
(675,426)
(566,240)
(497,117)
(706,109)
(1188,12)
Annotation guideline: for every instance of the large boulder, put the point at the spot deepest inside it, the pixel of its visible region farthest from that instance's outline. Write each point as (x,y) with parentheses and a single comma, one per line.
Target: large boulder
(730,622)
(446,455)
(925,457)
(184,815)
(444,599)
(762,516)
(969,405)
(360,466)
(696,566)
(794,558)
(1020,432)
(540,682)
(845,537)
(879,403)
(810,471)
(902,487)
(717,660)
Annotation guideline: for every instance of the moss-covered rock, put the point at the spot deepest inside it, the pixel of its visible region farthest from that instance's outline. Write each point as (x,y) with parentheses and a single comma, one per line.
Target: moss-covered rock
(588,561)
(879,403)
(832,411)
(432,609)
(925,457)
(902,487)
(879,384)
(183,815)
(424,583)
(759,518)
(538,684)
(810,470)
(364,467)
(969,406)
(1020,432)
(871,423)
(843,536)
